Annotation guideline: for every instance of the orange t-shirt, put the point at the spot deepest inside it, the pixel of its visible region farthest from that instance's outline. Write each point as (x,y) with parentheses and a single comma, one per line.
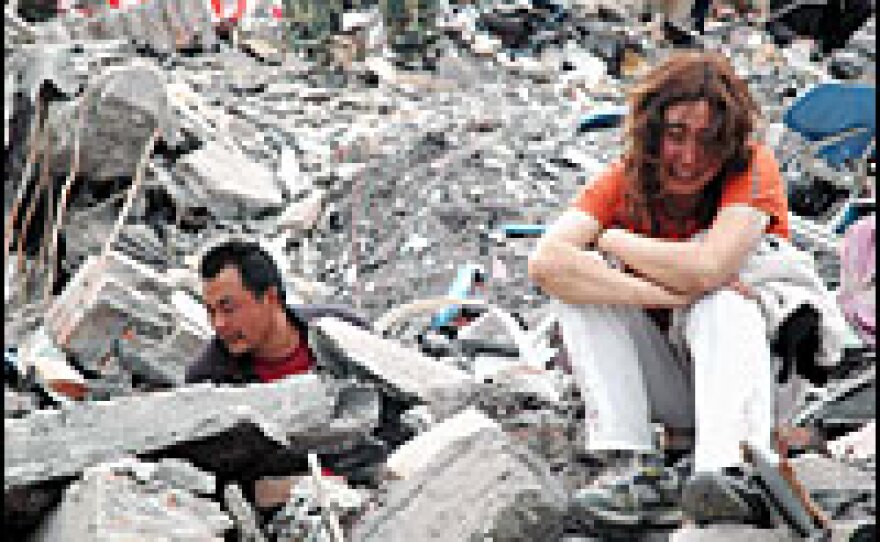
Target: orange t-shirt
(762,188)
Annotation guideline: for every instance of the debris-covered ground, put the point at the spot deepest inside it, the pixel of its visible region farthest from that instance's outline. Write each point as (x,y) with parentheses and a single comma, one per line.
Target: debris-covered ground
(377,154)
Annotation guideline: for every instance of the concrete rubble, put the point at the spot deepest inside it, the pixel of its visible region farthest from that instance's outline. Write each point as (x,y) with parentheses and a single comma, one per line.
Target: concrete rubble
(375,150)
(509,495)
(219,429)
(85,432)
(405,372)
(129,499)
(121,318)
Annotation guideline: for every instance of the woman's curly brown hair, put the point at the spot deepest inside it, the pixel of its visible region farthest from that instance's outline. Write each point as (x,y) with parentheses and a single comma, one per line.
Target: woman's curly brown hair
(684,77)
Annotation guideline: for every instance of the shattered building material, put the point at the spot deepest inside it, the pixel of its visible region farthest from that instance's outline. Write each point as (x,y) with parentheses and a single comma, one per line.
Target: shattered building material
(130,499)
(17,404)
(304,214)
(300,517)
(39,356)
(420,451)
(118,311)
(223,430)
(244,516)
(732,533)
(851,402)
(375,183)
(844,490)
(328,513)
(860,444)
(122,105)
(510,495)
(215,170)
(407,374)
(163,26)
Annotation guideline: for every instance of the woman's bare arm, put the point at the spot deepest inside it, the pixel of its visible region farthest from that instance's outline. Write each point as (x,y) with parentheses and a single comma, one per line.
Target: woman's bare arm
(564,269)
(691,267)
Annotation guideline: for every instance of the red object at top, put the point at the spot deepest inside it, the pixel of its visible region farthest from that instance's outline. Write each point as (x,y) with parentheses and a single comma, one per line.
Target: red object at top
(240,7)
(277,12)
(298,362)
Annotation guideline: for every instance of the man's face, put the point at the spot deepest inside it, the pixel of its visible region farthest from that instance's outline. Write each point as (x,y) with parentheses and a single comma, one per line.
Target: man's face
(240,319)
(689,163)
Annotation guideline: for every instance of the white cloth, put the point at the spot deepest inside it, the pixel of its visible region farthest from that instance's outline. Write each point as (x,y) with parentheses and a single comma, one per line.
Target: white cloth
(785,278)
(630,377)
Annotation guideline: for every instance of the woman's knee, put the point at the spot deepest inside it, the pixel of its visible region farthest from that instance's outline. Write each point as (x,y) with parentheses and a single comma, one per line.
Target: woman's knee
(727,305)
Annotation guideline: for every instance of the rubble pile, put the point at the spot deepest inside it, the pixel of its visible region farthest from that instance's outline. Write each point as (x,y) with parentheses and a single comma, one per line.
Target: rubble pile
(133,499)
(138,136)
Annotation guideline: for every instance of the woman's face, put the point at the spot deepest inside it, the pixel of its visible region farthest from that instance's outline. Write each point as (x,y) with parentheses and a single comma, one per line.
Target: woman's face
(689,163)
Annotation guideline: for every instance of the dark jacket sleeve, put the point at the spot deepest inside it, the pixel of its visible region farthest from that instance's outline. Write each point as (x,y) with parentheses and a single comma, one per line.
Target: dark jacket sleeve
(311,313)
(206,368)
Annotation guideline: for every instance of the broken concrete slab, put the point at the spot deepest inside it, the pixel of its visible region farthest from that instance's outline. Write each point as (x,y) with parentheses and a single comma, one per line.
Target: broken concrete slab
(220,171)
(302,215)
(862,530)
(119,314)
(123,106)
(860,444)
(17,404)
(821,474)
(732,533)
(850,402)
(841,489)
(419,452)
(220,429)
(50,368)
(406,373)
(112,501)
(483,486)
(300,518)
(181,474)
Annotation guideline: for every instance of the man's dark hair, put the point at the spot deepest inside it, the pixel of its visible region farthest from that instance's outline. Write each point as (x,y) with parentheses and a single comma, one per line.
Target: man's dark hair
(256,267)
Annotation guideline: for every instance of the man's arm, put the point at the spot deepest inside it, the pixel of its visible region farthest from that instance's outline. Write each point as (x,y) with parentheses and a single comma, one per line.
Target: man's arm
(203,368)
(563,269)
(692,267)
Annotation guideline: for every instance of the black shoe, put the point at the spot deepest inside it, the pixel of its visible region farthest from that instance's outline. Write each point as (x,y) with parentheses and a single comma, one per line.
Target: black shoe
(640,495)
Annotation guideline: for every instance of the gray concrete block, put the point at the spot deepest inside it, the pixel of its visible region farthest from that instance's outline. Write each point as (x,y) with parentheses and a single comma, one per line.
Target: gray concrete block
(844,490)
(732,533)
(127,106)
(481,487)
(405,372)
(17,404)
(111,503)
(121,317)
(220,170)
(220,429)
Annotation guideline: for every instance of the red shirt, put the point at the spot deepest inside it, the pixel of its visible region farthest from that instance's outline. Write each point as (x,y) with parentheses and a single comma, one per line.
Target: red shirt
(298,362)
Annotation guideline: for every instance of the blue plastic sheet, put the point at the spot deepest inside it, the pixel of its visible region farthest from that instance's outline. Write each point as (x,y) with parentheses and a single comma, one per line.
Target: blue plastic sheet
(830,109)
(461,288)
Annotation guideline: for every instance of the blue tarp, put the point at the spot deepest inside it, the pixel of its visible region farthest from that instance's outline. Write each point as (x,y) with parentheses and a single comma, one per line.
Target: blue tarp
(829,109)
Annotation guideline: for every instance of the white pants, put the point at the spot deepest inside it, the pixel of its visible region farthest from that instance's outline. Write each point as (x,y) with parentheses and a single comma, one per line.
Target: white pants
(629,376)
